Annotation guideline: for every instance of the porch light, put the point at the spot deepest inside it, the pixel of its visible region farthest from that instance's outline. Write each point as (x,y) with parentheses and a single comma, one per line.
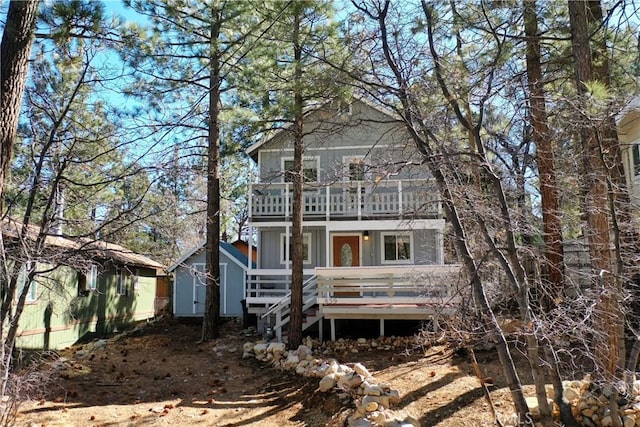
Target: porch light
(366,235)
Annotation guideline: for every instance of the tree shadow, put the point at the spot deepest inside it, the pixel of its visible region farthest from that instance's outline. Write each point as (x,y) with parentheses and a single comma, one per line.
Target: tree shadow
(442,413)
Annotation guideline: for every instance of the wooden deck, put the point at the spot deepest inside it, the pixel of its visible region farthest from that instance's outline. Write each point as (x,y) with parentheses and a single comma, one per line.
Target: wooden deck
(413,292)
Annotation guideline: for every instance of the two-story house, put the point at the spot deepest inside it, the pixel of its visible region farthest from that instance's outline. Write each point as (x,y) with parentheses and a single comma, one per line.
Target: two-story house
(373,225)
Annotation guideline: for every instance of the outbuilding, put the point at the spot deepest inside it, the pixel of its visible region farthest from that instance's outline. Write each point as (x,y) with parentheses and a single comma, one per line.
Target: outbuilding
(189,282)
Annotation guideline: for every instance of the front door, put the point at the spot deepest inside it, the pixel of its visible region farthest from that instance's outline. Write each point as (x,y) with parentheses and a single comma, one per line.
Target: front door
(346,251)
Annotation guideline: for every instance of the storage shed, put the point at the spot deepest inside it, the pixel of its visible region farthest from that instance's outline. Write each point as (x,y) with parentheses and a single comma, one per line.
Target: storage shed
(189,282)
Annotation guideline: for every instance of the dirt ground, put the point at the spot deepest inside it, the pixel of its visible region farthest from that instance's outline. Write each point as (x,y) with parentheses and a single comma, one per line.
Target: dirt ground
(159,375)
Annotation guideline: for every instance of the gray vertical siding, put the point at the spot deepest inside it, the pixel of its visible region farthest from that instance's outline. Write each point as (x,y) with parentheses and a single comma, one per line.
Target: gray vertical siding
(366,132)
(231,292)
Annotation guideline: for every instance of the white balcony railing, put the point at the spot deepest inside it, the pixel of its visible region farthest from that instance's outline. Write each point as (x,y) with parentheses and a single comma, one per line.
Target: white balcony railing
(421,285)
(417,198)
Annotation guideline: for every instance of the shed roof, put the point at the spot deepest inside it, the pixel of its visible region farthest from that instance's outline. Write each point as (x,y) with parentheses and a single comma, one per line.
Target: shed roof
(226,248)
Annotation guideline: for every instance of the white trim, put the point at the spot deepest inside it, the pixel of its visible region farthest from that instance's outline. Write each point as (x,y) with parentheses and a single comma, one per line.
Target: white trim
(187,255)
(383,224)
(326,148)
(360,248)
(284,248)
(223,286)
(407,233)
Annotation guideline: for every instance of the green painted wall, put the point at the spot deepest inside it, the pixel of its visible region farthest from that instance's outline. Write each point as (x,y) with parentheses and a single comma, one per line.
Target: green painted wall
(61,314)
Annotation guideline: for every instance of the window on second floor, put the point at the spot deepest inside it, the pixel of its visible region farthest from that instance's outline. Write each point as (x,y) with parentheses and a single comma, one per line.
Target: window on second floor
(309,169)
(355,168)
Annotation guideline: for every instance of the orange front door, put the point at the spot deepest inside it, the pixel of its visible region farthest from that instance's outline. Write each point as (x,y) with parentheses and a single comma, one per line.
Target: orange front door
(346,251)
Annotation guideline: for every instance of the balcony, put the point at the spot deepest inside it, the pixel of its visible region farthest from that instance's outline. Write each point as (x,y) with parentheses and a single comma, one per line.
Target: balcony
(348,200)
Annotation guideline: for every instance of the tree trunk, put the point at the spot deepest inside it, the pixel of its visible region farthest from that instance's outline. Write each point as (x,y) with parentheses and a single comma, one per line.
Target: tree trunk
(295,319)
(553,251)
(609,345)
(15,50)
(211,319)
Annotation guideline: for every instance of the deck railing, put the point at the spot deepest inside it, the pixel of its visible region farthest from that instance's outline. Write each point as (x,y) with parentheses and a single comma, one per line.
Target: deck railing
(419,285)
(401,284)
(354,199)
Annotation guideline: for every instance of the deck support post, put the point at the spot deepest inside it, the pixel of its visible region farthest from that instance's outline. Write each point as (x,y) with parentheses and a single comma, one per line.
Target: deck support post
(381,327)
(333,329)
(321,329)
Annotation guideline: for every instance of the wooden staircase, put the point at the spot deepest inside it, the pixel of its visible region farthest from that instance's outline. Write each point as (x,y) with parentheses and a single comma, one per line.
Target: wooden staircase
(281,310)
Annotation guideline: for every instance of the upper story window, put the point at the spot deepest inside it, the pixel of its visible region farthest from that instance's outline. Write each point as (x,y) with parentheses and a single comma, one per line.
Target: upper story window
(397,248)
(309,169)
(355,168)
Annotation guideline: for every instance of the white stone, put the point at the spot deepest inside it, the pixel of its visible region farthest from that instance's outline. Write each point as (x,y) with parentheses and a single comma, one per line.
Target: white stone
(377,417)
(350,380)
(371,406)
(327,383)
(247,347)
(303,352)
(259,349)
(571,394)
(372,390)
(276,347)
(629,420)
(359,422)
(291,362)
(394,396)
(303,366)
(360,369)
(362,340)
(380,400)
(344,369)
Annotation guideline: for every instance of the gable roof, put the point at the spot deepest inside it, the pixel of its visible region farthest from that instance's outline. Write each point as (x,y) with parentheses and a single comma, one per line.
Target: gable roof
(92,248)
(226,248)
(312,109)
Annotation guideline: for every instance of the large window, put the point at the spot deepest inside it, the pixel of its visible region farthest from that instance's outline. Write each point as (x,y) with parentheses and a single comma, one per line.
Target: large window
(636,159)
(32,294)
(397,248)
(306,248)
(309,169)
